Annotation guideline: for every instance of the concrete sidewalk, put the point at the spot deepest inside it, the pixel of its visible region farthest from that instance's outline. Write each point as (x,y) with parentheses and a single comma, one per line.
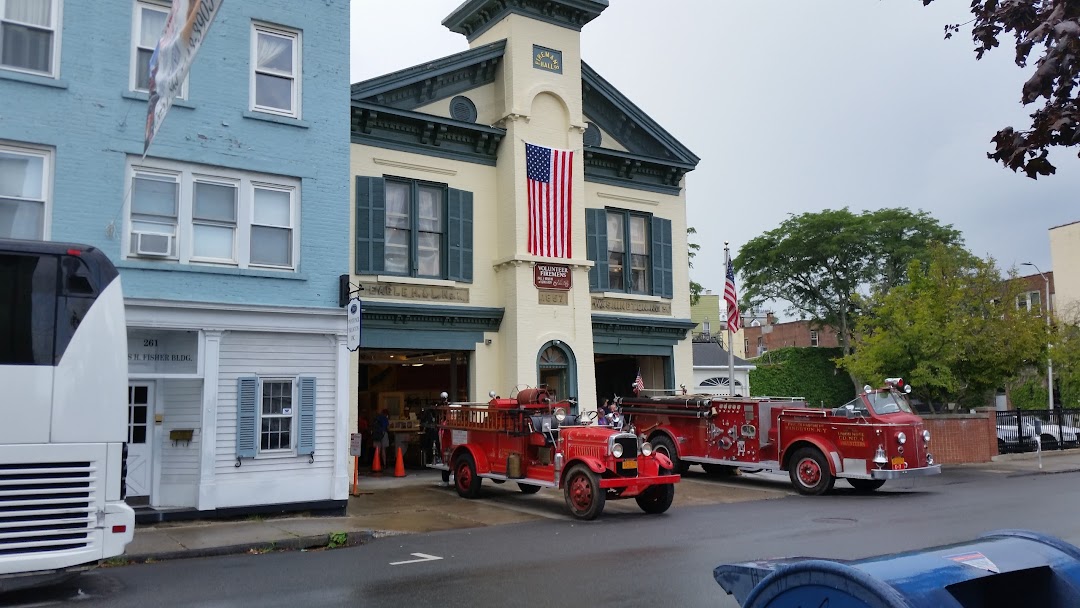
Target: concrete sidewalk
(421,502)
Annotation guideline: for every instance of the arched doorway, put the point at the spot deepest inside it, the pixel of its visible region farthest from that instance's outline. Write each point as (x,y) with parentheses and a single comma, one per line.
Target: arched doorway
(557,368)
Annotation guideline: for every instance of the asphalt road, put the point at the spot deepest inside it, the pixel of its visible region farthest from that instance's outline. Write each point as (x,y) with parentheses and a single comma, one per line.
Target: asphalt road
(624,559)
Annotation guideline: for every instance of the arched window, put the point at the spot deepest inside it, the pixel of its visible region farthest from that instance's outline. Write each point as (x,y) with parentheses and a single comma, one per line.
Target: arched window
(556,368)
(717,381)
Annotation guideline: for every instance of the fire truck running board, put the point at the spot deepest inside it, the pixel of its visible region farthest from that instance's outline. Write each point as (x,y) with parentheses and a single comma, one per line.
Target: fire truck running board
(768,465)
(531,482)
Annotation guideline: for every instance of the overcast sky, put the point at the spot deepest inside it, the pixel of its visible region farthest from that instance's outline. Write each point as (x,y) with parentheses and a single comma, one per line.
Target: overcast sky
(797,106)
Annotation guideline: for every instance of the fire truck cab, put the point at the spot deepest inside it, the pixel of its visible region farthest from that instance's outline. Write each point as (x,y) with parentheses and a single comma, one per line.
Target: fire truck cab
(875,437)
(532,440)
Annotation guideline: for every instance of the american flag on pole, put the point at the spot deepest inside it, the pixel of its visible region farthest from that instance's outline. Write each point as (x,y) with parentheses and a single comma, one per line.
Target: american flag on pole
(549,182)
(639,384)
(731,299)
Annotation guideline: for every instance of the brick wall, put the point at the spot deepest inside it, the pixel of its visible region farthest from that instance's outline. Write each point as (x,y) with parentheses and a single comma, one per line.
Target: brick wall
(794,333)
(961,438)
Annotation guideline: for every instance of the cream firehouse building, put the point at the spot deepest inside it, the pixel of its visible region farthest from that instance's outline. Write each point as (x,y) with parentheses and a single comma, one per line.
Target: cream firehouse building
(452,299)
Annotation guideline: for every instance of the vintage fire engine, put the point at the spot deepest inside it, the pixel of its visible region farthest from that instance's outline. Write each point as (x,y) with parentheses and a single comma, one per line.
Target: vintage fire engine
(873,438)
(531,440)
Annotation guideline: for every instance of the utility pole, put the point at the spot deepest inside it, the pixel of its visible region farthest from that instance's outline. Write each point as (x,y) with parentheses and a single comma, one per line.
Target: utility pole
(1046,313)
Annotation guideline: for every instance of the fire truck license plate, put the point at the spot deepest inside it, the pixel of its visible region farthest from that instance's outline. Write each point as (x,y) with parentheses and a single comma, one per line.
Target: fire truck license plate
(629,464)
(897,463)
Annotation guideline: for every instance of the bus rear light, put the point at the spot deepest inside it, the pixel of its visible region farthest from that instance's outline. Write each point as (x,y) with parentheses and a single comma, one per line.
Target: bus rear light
(119,529)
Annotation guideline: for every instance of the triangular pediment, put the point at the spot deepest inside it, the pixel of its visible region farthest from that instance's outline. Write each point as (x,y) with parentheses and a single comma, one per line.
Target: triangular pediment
(632,129)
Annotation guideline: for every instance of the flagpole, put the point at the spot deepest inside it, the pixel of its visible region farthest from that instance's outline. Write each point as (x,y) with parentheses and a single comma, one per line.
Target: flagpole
(730,346)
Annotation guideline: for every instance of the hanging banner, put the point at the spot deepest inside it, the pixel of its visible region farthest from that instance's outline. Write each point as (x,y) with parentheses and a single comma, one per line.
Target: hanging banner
(185,30)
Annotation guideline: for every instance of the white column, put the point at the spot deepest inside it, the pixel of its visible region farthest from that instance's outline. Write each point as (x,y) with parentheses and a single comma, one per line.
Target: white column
(208,445)
(342,461)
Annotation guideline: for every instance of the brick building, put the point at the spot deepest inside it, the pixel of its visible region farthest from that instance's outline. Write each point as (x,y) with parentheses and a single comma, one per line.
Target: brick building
(771,335)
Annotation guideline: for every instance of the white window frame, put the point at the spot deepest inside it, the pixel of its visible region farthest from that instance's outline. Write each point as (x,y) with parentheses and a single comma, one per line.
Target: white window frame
(46,154)
(1024,300)
(163,175)
(136,31)
(296,76)
(293,416)
(813,337)
(213,180)
(57,19)
(246,182)
(257,185)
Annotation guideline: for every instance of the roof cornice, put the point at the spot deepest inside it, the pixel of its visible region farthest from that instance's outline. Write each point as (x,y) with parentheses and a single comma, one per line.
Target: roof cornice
(376,125)
(474,17)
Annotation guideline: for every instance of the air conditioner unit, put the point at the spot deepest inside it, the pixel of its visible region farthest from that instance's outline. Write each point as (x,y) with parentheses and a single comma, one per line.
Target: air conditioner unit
(153,244)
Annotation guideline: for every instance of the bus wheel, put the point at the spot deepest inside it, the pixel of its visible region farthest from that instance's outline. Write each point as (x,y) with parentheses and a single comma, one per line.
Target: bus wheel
(584,497)
(528,488)
(866,485)
(465,478)
(665,446)
(810,472)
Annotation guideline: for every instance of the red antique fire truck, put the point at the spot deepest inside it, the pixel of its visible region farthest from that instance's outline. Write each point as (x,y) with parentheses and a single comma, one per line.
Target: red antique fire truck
(871,439)
(532,440)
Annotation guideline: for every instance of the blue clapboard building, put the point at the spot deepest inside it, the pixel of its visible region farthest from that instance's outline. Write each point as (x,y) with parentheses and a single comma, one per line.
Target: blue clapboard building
(230,233)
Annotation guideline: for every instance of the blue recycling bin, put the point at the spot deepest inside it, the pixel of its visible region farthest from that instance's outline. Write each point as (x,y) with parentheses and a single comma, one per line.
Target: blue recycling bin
(1006,568)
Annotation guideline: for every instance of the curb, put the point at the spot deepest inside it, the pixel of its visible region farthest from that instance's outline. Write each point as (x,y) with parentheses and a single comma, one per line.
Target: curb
(295,543)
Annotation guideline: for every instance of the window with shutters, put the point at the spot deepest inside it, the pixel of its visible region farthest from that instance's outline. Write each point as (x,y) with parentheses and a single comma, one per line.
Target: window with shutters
(413,228)
(632,252)
(275,416)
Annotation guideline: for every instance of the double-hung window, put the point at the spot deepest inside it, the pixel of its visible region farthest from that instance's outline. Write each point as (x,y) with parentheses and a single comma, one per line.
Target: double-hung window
(631,251)
(1031,301)
(413,228)
(212,215)
(29,36)
(149,22)
(275,71)
(275,416)
(813,338)
(25,187)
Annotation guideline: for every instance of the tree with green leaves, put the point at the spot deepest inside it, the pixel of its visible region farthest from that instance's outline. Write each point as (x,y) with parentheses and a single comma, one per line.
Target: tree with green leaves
(953,331)
(692,249)
(1052,29)
(822,264)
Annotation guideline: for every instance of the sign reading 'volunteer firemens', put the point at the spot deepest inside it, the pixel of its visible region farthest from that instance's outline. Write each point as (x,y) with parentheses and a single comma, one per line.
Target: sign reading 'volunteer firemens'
(551,276)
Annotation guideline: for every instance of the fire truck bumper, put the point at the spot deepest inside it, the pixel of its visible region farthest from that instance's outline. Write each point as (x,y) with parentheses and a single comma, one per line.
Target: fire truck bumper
(902,473)
(625,482)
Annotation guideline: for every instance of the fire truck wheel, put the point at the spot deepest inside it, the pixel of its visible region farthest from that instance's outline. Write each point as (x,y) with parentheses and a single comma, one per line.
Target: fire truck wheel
(466,480)
(584,497)
(664,445)
(810,472)
(866,485)
(657,499)
(528,488)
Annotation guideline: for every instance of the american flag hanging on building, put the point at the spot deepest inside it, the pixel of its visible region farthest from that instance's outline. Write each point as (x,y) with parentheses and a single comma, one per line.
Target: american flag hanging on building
(549,183)
(730,298)
(639,384)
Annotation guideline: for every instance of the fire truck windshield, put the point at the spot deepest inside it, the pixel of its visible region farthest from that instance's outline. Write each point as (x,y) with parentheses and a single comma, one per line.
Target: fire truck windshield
(889,402)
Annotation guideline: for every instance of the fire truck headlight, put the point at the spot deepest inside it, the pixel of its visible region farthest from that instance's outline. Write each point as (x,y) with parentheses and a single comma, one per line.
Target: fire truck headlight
(646,449)
(901,438)
(926,436)
(617,450)
(560,414)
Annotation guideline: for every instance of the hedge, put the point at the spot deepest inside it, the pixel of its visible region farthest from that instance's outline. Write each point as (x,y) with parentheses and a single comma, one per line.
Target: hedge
(802,372)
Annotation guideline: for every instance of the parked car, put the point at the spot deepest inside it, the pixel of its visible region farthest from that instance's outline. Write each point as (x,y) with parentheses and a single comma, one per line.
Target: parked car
(1051,434)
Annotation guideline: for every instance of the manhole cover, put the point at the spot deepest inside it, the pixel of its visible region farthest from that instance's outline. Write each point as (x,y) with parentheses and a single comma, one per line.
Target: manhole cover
(835,520)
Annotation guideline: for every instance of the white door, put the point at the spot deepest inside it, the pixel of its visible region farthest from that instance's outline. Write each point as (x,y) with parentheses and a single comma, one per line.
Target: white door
(140,440)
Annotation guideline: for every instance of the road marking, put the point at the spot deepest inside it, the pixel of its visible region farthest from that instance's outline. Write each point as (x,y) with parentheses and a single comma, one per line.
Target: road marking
(424,557)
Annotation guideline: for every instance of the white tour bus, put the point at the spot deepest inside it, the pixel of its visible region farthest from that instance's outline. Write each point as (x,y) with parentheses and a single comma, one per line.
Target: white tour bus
(63,412)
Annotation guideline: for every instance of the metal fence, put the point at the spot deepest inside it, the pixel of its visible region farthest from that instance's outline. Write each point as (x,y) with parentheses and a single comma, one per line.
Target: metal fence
(1058,429)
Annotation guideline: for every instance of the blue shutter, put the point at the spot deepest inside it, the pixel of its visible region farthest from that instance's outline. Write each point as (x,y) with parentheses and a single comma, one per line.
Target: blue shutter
(663,282)
(459,229)
(370,225)
(596,248)
(247,397)
(305,436)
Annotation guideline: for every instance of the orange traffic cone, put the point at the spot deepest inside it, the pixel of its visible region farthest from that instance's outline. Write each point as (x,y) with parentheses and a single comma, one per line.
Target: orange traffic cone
(376,464)
(399,464)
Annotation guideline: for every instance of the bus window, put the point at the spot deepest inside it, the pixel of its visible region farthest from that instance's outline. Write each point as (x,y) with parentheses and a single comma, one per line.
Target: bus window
(75,301)
(76,277)
(27,308)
